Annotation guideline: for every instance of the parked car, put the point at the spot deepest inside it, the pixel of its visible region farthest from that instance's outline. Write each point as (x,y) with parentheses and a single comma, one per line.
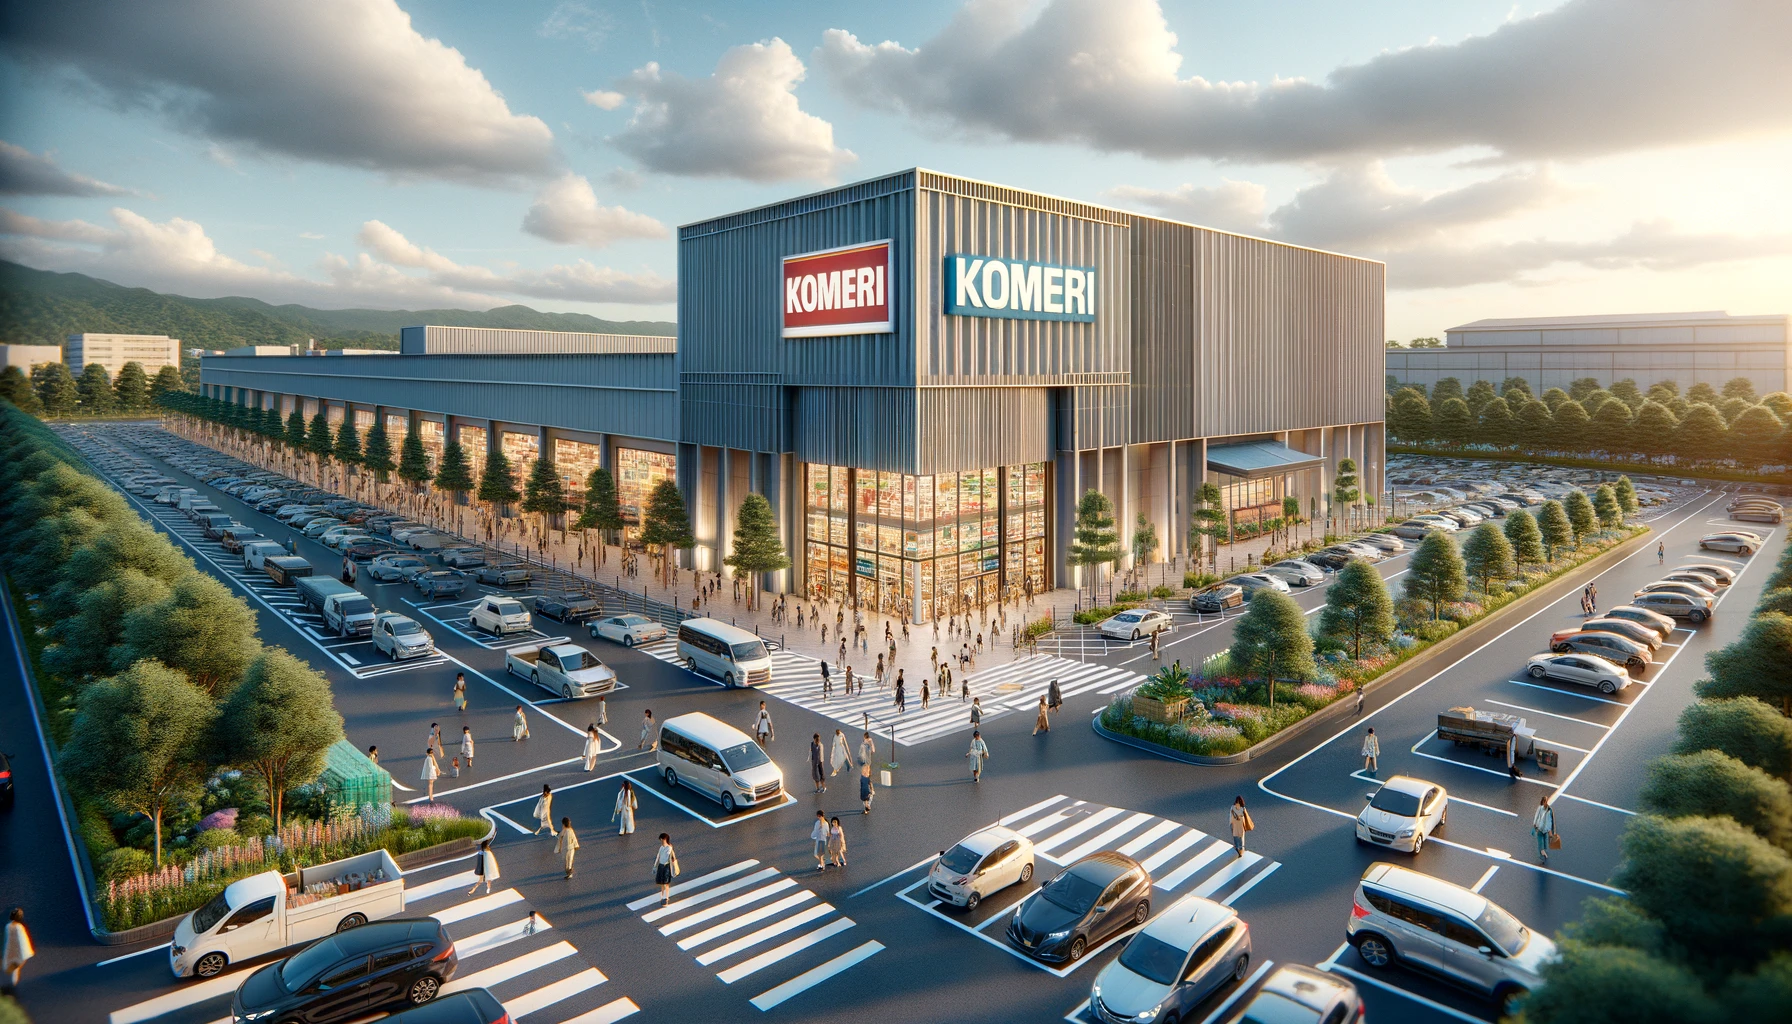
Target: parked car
(628,630)
(1585,669)
(439,583)
(468,1006)
(1333,558)
(1297,994)
(462,558)
(566,669)
(1385,541)
(500,615)
(1654,620)
(400,636)
(1174,964)
(1416,529)
(1364,550)
(1703,580)
(343,541)
(1691,590)
(981,863)
(1216,598)
(502,575)
(1610,646)
(1298,573)
(426,540)
(316,526)
(1090,901)
(1679,606)
(1441,522)
(1403,813)
(1635,632)
(344,976)
(257,551)
(568,608)
(1759,514)
(1252,582)
(1134,624)
(369,549)
(396,566)
(1431,924)
(1723,574)
(1732,540)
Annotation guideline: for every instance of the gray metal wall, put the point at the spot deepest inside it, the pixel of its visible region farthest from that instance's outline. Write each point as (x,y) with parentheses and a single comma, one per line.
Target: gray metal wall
(437,340)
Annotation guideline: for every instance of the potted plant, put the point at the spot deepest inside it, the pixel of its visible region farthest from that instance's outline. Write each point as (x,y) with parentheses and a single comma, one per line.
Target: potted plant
(1164,696)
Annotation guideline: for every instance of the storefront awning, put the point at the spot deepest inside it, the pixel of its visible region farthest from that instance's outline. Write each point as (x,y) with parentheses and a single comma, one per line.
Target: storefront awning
(1252,459)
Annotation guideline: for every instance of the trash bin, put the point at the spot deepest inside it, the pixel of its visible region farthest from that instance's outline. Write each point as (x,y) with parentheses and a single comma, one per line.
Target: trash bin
(351,780)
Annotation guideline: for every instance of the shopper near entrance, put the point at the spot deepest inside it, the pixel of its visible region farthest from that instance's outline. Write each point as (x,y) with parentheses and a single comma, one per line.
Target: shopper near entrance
(485,866)
(567,845)
(1241,823)
(1543,829)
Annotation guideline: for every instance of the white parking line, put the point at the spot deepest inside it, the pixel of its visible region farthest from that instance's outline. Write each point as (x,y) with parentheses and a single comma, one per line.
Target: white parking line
(1551,714)
(1414,996)
(1569,693)
(1596,803)
(1486,876)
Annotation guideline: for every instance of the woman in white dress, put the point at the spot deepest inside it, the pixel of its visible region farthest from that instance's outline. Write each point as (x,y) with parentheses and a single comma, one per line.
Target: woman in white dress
(649,739)
(431,772)
(466,746)
(840,756)
(762,726)
(544,811)
(624,814)
(519,730)
(485,866)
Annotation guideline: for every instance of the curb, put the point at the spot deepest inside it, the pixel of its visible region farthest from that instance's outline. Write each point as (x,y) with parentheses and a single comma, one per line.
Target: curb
(1421,662)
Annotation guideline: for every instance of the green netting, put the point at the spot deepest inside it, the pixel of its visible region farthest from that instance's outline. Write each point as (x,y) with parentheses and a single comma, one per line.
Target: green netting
(352,780)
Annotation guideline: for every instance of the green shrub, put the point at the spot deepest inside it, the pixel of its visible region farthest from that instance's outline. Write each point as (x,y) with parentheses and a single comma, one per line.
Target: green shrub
(1129,595)
(123,862)
(1432,632)
(1038,628)
(96,832)
(1197,580)
(1163,593)
(1090,616)
(251,826)
(212,838)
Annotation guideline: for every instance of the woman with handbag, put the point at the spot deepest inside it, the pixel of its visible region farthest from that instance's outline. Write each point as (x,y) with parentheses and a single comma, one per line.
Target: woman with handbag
(1543,827)
(485,866)
(1241,823)
(626,805)
(665,868)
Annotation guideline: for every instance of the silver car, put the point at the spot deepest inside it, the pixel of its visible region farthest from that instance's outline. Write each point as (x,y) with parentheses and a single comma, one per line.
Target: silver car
(1174,964)
(1440,927)
(1296,573)
(1739,541)
(627,630)
(1297,994)
(1255,581)
(1586,669)
(400,636)
(1385,541)
(1403,813)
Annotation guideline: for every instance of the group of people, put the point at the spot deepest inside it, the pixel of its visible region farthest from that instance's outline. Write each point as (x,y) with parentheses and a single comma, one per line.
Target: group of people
(1589,599)
(840,757)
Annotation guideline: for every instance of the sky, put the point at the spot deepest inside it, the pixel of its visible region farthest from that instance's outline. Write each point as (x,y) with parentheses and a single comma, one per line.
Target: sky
(1504,159)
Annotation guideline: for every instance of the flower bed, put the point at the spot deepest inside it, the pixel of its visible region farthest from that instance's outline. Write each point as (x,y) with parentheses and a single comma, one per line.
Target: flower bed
(1090,616)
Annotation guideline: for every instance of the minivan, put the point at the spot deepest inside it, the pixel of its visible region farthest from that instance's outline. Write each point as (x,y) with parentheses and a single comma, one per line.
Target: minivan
(719,761)
(713,648)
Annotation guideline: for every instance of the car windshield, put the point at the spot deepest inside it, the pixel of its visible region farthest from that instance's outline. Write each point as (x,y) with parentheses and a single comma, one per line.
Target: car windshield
(1073,892)
(1127,617)
(207,917)
(1503,928)
(752,650)
(1275,1008)
(1391,800)
(960,859)
(406,627)
(509,608)
(631,620)
(1153,958)
(299,969)
(743,756)
(357,606)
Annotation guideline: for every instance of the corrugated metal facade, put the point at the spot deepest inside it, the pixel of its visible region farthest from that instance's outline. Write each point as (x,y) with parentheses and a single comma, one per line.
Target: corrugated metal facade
(434,340)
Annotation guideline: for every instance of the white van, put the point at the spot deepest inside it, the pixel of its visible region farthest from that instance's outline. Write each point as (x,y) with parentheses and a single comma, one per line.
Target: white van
(719,761)
(713,648)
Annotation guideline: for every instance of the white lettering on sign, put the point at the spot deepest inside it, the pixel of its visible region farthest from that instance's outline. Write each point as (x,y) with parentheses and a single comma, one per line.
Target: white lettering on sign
(837,292)
(1019,289)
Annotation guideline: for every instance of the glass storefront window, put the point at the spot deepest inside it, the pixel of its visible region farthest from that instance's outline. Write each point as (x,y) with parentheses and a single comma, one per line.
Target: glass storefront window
(430,433)
(575,460)
(522,450)
(473,443)
(638,472)
(396,428)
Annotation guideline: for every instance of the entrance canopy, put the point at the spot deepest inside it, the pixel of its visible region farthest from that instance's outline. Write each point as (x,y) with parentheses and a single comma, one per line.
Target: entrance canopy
(1252,459)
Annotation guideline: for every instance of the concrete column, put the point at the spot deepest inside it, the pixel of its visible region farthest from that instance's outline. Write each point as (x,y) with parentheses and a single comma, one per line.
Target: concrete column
(1067,477)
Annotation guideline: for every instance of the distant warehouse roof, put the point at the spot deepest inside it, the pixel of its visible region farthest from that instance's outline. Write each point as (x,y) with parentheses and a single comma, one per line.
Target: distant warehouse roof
(433,341)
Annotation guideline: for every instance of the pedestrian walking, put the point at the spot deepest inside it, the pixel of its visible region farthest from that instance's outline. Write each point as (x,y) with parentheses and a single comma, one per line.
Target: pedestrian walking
(1154,646)
(650,739)
(1241,823)
(1054,696)
(665,868)
(923,695)
(567,846)
(1661,552)
(978,754)
(836,844)
(867,749)
(373,753)
(840,659)
(519,729)
(839,757)
(485,866)
(866,790)
(626,805)
(1543,827)
(827,685)
(460,692)
(1593,597)
(817,765)
(945,682)
(1371,751)
(819,833)
(964,689)
(1359,699)
(593,742)
(431,772)
(762,726)
(879,673)
(1044,722)
(431,740)
(976,712)
(18,950)
(544,810)
(902,695)
(466,746)
(603,712)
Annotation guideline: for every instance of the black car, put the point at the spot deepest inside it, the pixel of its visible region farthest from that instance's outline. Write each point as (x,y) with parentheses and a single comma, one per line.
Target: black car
(1330,558)
(568,608)
(345,975)
(5,782)
(1097,897)
(368,550)
(474,1006)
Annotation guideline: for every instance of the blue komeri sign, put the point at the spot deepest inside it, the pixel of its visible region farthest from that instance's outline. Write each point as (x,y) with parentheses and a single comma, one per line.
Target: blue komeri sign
(1019,289)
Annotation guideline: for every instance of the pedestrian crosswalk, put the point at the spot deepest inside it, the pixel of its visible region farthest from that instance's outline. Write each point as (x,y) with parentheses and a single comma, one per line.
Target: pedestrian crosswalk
(1181,859)
(1017,685)
(502,944)
(751,921)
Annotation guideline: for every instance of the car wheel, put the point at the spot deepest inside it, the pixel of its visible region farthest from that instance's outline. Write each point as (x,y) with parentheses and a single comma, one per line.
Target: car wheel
(728,680)
(535,678)
(628,641)
(1561,648)
(423,990)
(566,691)
(1418,843)
(1538,671)
(1607,686)
(351,921)
(1142,912)
(1697,617)
(1376,951)
(1242,967)
(671,779)
(727,803)
(971,901)
(1172,1019)
(1077,948)
(1135,636)
(1745,550)
(1506,997)
(210,965)
(1026,874)
(394,652)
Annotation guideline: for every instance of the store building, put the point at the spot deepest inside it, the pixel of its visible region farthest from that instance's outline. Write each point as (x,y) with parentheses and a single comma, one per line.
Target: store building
(923,374)
(1553,352)
(113,351)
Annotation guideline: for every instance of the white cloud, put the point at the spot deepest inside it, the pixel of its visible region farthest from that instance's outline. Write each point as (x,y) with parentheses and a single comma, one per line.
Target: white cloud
(1589,77)
(567,211)
(741,122)
(1359,207)
(311,236)
(575,20)
(348,82)
(604,99)
(24,173)
(1229,206)
(178,256)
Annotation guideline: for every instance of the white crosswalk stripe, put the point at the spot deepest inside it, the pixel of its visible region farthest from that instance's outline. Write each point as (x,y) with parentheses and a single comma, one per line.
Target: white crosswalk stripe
(1002,689)
(736,938)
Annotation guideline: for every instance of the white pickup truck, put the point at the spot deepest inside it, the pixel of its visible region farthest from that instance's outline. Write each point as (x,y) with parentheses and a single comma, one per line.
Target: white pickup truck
(262,913)
(566,669)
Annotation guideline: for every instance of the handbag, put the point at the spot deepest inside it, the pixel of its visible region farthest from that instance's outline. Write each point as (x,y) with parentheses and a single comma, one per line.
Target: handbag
(675,866)
(1249,825)
(1555,841)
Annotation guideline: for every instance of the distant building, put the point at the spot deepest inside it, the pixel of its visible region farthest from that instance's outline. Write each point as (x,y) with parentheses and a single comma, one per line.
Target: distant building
(1552,352)
(150,351)
(260,350)
(26,356)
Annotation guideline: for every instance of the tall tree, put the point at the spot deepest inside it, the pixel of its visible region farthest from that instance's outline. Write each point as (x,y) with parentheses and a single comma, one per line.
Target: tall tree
(1270,641)
(166,381)
(1208,519)
(1557,529)
(1655,427)
(1516,391)
(1497,425)
(1488,556)
(1758,664)
(1479,394)
(413,461)
(1095,542)
(1412,416)
(1449,387)
(139,742)
(1345,490)
(1730,408)
(1709,783)
(1453,421)
(1668,388)
(544,493)
(602,511)
(1572,427)
(1436,573)
(757,548)
(1755,435)
(1702,434)
(453,474)
(348,440)
(498,483)
(1703,392)
(1627,392)
(1740,387)
(1780,404)
(1526,540)
(1581,515)
(279,724)
(376,453)
(1554,397)
(56,389)
(1144,540)
(665,523)
(1745,728)
(1358,610)
(295,429)
(1607,507)
(319,441)
(1611,428)
(1534,425)
(1581,387)
(16,388)
(200,628)
(132,387)
(95,388)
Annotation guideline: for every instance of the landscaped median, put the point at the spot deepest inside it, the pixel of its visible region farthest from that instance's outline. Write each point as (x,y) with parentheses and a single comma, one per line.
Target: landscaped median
(1225,712)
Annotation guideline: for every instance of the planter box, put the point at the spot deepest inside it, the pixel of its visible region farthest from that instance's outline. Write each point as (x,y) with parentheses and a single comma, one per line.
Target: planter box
(1158,711)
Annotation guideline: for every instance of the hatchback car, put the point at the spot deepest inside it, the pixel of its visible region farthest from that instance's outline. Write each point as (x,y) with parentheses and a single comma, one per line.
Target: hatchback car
(1401,914)
(1733,540)
(400,636)
(1661,624)
(351,972)
(1297,994)
(1252,582)
(1174,964)
(1585,669)
(387,568)
(1403,813)
(980,864)
(1216,598)
(627,630)
(1297,573)
(439,583)
(1632,631)
(1698,579)
(1612,647)
(1679,606)
(567,608)
(316,526)
(1088,902)
(1134,624)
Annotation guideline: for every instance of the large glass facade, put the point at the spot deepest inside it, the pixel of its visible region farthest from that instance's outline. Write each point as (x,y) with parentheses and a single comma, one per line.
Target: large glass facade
(522,451)
(638,472)
(944,543)
(575,460)
(430,433)
(473,441)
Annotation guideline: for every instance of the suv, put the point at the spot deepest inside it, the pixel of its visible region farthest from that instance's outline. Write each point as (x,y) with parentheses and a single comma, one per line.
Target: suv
(1434,925)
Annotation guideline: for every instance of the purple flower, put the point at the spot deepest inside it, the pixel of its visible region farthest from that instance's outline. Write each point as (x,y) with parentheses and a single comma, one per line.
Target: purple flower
(224,817)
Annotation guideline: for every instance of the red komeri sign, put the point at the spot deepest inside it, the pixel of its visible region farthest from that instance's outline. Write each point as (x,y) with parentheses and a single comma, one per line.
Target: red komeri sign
(838,291)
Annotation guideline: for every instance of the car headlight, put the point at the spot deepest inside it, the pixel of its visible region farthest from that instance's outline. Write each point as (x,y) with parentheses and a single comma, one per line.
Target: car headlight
(744,785)
(1405,833)
(256,1014)
(1150,1014)
(177,950)
(1059,935)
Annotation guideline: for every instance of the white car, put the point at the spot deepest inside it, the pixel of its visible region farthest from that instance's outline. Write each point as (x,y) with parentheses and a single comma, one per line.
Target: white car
(979,864)
(1441,522)
(500,615)
(1740,541)
(1587,669)
(400,636)
(1135,623)
(627,630)
(1295,572)
(387,568)
(344,540)
(1403,813)
(1385,541)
